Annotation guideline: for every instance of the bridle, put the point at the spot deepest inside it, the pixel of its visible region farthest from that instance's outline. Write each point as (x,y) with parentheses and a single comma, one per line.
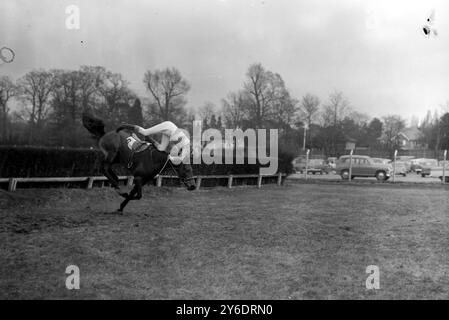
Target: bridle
(183,180)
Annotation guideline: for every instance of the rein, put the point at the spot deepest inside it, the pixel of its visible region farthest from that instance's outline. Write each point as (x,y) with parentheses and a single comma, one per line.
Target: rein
(168,159)
(174,169)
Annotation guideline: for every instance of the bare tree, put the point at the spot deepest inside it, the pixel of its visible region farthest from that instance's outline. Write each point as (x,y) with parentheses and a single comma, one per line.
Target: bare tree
(36,87)
(168,89)
(233,109)
(115,90)
(207,110)
(260,93)
(268,98)
(309,108)
(359,118)
(91,79)
(393,124)
(336,108)
(7,90)
(65,93)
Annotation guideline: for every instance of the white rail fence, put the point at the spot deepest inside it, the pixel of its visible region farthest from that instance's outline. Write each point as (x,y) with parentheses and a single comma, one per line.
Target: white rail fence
(13,182)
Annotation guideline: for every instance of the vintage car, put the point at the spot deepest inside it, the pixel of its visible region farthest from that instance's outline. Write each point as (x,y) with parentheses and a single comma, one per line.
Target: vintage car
(332,162)
(362,166)
(425,166)
(418,164)
(313,167)
(400,168)
(436,170)
(381,160)
(407,160)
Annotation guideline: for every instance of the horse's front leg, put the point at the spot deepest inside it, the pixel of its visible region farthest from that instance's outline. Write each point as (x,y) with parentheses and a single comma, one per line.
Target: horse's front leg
(135,194)
(112,178)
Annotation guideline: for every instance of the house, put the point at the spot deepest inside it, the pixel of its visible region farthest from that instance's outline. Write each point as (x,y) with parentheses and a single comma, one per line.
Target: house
(410,139)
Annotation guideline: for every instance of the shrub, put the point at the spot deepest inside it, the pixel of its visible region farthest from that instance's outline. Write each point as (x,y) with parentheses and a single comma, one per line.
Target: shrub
(70,162)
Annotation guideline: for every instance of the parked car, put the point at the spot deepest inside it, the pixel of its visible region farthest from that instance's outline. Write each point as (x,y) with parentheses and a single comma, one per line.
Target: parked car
(381,160)
(314,166)
(363,166)
(442,162)
(400,168)
(299,163)
(417,164)
(435,170)
(425,166)
(332,162)
(407,160)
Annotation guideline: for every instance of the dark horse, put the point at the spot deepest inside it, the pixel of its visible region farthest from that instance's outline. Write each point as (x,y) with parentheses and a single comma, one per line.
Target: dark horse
(144,165)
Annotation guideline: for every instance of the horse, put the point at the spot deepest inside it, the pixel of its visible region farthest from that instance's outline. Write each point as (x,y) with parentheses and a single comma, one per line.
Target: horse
(143,165)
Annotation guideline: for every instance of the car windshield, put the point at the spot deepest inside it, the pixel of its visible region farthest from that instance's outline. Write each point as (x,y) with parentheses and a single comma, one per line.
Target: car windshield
(431,162)
(316,162)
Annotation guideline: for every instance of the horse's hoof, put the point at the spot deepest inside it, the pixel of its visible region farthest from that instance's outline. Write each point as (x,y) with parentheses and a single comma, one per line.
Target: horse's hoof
(119,211)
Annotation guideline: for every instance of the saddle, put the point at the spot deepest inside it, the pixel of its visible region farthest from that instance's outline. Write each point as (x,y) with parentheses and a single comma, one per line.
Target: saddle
(136,146)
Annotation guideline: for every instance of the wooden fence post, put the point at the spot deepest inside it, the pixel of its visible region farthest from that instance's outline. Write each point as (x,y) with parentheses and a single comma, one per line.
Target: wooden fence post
(90,183)
(259,181)
(230,181)
(12,184)
(279,179)
(159,181)
(198,183)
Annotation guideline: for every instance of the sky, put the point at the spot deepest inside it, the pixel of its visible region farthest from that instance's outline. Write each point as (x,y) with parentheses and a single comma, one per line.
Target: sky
(372,51)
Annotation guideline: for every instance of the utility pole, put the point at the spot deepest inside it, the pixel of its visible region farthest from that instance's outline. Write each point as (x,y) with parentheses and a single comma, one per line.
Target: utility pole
(304,140)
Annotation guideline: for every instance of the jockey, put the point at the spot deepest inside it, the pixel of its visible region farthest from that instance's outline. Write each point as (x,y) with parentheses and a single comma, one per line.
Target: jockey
(171,136)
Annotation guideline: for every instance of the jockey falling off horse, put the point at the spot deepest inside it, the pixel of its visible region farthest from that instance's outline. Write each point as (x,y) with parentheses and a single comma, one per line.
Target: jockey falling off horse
(174,140)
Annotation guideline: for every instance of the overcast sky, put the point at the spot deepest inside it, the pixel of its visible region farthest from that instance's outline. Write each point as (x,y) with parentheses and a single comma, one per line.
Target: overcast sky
(372,51)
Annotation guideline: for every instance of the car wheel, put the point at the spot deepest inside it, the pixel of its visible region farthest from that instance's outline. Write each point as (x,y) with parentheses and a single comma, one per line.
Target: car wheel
(344,174)
(381,175)
(423,175)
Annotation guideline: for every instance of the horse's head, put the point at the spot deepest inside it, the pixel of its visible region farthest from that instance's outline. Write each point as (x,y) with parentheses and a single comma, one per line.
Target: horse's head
(185,173)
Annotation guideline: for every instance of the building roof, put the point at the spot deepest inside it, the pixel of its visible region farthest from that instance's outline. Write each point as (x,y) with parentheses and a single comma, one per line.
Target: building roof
(411,134)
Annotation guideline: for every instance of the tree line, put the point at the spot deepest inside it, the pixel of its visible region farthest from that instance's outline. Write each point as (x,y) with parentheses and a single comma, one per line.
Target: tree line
(51,103)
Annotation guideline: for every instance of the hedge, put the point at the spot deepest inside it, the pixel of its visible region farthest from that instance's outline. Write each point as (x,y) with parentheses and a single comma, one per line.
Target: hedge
(70,162)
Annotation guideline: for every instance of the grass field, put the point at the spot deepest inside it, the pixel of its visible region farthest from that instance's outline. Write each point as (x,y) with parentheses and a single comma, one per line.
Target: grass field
(300,241)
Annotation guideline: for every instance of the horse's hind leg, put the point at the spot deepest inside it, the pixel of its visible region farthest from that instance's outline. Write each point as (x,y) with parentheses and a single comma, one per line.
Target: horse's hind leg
(135,194)
(112,177)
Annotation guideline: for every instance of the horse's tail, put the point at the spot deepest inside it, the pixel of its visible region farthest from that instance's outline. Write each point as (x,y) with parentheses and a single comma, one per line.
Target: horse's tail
(93,125)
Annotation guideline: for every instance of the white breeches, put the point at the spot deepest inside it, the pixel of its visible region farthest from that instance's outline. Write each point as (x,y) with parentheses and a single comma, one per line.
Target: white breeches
(170,133)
